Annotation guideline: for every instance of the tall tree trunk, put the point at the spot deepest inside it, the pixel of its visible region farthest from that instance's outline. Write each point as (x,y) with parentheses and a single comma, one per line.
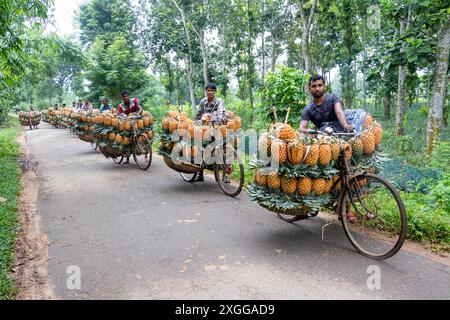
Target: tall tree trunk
(307,22)
(263,42)
(387,104)
(189,62)
(401,92)
(436,112)
(347,74)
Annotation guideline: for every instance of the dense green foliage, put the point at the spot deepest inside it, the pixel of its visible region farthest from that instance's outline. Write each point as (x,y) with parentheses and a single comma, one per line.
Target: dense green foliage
(9,190)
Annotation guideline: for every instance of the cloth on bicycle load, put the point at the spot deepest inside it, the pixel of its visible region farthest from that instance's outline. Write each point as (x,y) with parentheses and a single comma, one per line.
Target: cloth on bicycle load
(355,117)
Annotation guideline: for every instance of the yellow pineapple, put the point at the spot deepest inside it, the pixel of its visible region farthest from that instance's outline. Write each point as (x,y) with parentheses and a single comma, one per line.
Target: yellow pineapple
(274,181)
(295,152)
(368,142)
(324,154)
(337,186)
(378,133)
(260,178)
(289,185)
(368,120)
(264,145)
(283,131)
(304,186)
(318,186)
(311,154)
(335,150)
(348,150)
(328,185)
(279,151)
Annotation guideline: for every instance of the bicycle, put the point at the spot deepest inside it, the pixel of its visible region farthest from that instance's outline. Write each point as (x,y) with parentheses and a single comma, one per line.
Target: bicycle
(141,148)
(229,161)
(367,195)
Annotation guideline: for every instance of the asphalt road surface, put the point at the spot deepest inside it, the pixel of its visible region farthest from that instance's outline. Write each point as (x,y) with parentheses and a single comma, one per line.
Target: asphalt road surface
(149,235)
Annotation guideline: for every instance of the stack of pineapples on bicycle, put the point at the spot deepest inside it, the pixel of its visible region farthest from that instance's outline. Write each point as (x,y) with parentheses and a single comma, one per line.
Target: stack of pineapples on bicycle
(113,133)
(297,173)
(67,121)
(25,117)
(84,124)
(366,150)
(179,122)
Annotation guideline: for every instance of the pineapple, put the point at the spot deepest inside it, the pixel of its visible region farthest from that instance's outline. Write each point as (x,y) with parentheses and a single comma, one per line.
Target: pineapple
(285,131)
(238,122)
(231,125)
(318,186)
(274,181)
(328,185)
(367,121)
(260,178)
(311,154)
(337,186)
(295,152)
(368,142)
(378,133)
(324,154)
(304,186)
(264,145)
(112,136)
(335,151)
(279,151)
(357,148)
(172,114)
(348,150)
(289,185)
(173,125)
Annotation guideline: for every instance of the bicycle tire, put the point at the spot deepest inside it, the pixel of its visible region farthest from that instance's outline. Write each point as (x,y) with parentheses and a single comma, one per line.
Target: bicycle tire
(188,177)
(145,144)
(218,168)
(357,199)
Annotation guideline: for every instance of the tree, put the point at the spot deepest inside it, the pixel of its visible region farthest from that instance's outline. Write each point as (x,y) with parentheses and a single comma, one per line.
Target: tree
(307,22)
(435,115)
(108,28)
(16,19)
(115,68)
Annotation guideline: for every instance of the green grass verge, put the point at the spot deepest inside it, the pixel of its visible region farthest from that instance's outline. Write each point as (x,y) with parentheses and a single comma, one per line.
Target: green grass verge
(9,190)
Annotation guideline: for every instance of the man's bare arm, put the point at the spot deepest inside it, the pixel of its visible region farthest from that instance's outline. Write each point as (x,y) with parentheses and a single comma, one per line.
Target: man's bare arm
(341,116)
(304,125)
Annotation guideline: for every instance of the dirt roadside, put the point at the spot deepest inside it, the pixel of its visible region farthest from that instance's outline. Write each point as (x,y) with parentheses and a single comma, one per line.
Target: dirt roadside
(30,265)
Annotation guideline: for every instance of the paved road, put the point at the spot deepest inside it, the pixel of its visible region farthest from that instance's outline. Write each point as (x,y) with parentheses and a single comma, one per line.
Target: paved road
(150,235)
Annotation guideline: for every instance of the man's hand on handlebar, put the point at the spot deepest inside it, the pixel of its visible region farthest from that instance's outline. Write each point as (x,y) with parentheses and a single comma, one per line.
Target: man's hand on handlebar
(349,128)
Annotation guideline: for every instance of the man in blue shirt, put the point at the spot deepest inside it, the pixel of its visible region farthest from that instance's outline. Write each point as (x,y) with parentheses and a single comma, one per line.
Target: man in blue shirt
(105,105)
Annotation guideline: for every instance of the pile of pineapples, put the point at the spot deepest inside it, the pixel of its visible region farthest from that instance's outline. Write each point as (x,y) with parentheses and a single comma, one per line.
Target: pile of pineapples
(52,117)
(179,122)
(25,117)
(308,168)
(110,130)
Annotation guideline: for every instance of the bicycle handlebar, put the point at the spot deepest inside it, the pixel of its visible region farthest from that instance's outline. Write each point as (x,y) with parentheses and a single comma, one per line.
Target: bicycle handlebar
(334,134)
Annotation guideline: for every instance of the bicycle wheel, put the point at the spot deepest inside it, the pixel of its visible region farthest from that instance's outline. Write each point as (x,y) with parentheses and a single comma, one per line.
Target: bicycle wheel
(229,173)
(142,152)
(117,160)
(188,177)
(378,226)
(290,218)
